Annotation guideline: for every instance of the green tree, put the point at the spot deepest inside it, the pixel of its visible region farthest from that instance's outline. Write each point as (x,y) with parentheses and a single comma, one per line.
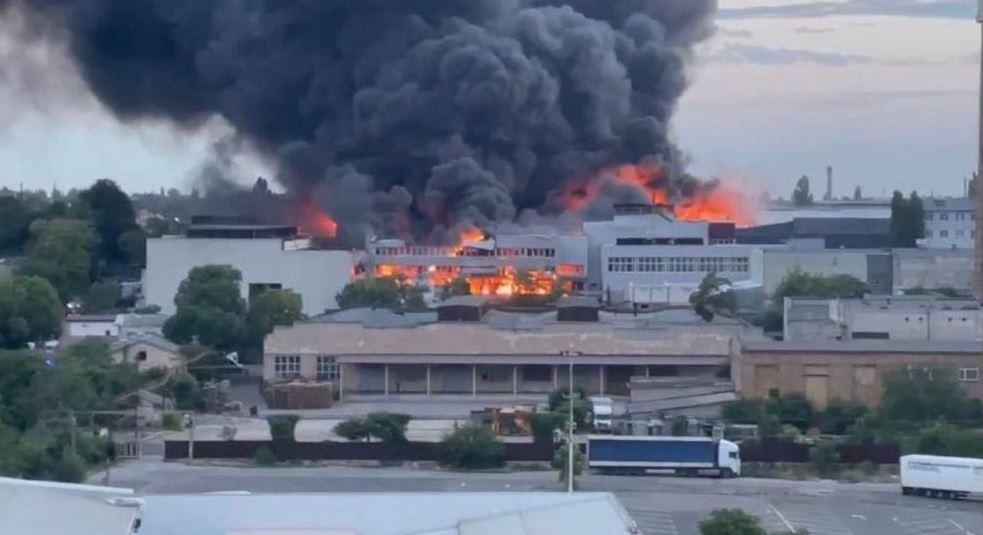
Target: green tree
(471,447)
(907,220)
(15,224)
(29,311)
(924,394)
(799,283)
(731,522)
(857,194)
(386,426)
(801,195)
(269,309)
(791,409)
(561,462)
(60,250)
(209,307)
(457,287)
(112,214)
(711,298)
(282,426)
(382,292)
(101,297)
(353,429)
(132,244)
(840,416)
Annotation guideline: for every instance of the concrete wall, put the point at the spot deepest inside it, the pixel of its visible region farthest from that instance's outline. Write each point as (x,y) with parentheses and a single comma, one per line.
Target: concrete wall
(83,329)
(317,275)
(920,268)
(846,376)
(778,263)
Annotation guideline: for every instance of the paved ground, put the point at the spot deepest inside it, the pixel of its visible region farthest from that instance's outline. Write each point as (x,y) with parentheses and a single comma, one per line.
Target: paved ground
(660,505)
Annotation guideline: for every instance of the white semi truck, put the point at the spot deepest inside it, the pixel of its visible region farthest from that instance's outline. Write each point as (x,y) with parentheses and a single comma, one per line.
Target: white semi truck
(941,477)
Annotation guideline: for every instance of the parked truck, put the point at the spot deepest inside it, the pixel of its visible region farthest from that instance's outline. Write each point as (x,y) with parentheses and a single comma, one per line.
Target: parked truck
(941,477)
(603,411)
(683,455)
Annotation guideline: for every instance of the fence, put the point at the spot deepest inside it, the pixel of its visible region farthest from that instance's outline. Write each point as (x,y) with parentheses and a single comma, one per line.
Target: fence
(341,451)
(778,451)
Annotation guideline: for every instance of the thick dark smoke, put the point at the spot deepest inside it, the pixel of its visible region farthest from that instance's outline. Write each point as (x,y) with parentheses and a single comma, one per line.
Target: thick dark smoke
(410,116)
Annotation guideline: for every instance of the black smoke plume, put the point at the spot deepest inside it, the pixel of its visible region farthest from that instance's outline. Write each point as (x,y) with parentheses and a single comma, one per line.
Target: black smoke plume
(405,116)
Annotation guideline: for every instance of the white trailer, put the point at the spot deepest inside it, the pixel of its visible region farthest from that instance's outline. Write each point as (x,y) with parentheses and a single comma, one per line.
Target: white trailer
(941,477)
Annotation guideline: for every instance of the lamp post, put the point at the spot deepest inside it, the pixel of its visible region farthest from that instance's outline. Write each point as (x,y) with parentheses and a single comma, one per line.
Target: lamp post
(570,445)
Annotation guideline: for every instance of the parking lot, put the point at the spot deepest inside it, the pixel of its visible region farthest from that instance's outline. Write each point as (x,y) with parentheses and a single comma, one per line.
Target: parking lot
(660,505)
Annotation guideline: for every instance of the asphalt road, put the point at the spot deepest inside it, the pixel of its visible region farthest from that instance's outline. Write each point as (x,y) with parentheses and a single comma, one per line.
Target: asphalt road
(660,505)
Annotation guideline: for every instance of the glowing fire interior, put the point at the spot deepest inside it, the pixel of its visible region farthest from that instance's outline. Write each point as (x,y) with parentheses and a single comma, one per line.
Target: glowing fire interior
(317,223)
(719,202)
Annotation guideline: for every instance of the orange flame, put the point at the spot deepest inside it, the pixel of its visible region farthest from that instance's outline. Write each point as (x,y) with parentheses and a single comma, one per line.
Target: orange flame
(316,222)
(720,202)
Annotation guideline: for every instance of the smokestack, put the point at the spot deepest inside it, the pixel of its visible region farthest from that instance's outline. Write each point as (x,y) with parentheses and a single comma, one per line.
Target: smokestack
(829,180)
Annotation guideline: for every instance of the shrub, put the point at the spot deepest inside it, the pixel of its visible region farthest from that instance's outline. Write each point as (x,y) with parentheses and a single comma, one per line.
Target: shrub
(387,426)
(840,416)
(353,429)
(731,522)
(743,411)
(824,457)
(545,424)
(561,462)
(68,467)
(471,447)
(265,457)
(793,409)
(172,422)
(282,426)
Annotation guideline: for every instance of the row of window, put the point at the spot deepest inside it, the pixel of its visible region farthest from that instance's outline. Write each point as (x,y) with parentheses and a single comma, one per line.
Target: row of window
(679,264)
(431,250)
(956,216)
(288,367)
(959,233)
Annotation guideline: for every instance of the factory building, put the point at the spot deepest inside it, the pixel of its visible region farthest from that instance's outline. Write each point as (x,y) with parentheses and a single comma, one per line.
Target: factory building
(462,349)
(949,223)
(873,267)
(883,318)
(269,257)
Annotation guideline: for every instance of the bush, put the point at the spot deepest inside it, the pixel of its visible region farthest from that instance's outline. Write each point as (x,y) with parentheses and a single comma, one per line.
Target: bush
(945,439)
(742,411)
(265,457)
(792,409)
(561,462)
(472,447)
(839,416)
(172,422)
(282,426)
(731,522)
(68,467)
(353,429)
(545,424)
(387,426)
(824,457)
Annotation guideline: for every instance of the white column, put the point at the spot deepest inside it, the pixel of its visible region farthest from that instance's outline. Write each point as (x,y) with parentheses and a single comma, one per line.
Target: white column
(556,380)
(385,378)
(474,380)
(341,382)
(515,381)
(428,380)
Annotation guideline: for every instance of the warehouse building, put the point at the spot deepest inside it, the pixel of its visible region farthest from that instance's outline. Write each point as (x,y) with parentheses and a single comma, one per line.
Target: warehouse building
(853,371)
(269,257)
(463,350)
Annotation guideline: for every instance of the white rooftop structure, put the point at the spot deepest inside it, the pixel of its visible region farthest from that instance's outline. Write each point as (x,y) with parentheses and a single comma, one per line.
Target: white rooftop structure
(41,508)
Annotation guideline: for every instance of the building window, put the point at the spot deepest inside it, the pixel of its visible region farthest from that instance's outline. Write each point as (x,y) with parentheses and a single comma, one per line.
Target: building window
(327,368)
(141,356)
(944,216)
(960,216)
(960,233)
(943,233)
(969,374)
(928,233)
(286,366)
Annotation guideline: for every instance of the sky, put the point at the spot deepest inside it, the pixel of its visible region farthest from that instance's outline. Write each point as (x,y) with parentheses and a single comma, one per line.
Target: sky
(884,91)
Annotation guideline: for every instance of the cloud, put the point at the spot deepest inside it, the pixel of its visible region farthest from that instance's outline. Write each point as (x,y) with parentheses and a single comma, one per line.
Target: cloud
(947,9)
(784,56)
(735,34)
(810,30)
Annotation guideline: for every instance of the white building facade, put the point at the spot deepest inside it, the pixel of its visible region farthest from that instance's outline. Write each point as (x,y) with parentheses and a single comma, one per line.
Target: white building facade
(266,263)
(950,223)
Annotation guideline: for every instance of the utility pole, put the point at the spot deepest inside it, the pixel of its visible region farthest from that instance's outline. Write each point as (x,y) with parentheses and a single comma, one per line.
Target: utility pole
(570,424)
(978,188)
(189,423)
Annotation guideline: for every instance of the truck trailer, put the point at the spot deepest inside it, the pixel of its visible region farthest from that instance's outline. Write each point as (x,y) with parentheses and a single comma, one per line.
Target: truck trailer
(683,455)
(941,477)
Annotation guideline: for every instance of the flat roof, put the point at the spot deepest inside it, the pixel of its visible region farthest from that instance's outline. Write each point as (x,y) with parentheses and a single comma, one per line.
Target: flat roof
(864,346)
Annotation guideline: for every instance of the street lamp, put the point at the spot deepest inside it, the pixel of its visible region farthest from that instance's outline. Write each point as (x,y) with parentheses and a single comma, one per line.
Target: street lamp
(570,444)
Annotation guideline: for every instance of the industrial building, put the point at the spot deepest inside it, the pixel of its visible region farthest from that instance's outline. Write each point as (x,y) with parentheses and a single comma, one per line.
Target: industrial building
(269,257)
(883,318)
(932,269)
(462,350)
(870,266)
(854,371)
(828,232)
(950,223)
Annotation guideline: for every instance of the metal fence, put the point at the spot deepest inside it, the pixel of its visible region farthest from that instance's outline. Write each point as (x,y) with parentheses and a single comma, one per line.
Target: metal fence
(288,450)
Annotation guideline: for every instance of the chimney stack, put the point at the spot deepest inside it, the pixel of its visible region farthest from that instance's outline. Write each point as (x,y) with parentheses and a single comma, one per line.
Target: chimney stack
(829,183)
